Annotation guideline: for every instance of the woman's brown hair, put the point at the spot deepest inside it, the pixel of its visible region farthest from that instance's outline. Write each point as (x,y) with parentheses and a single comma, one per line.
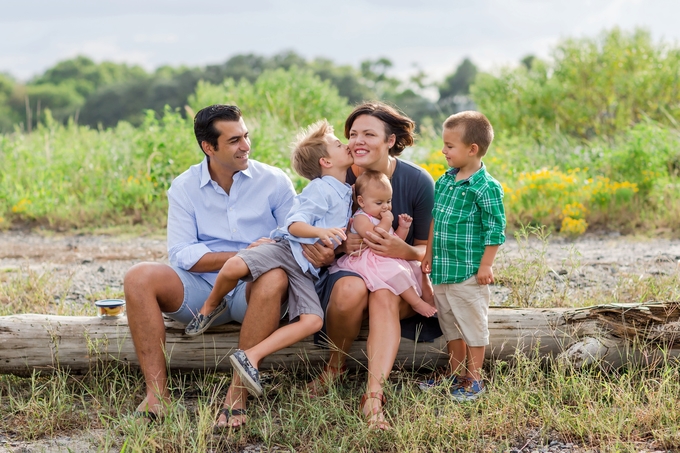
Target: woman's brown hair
(395,122)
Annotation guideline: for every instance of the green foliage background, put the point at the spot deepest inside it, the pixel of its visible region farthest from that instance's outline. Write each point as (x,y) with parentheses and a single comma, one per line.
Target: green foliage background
(587,140)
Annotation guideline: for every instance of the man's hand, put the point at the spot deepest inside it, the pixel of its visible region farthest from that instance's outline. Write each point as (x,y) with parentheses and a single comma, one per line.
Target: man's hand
(332,236)
(485,275)
(318,254)
(260,242)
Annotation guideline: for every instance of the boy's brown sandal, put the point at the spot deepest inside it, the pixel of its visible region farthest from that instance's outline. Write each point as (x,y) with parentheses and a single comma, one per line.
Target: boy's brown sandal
(374,422)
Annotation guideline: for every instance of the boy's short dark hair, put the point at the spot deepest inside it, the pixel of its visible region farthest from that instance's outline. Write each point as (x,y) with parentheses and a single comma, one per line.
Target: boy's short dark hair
(309,147)
(204,122)
(476,129)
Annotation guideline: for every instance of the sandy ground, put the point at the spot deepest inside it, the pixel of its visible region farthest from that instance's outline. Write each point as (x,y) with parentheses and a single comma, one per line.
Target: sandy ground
(94,266)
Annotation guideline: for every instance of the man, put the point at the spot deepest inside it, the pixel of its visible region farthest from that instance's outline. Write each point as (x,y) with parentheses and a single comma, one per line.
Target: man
(224,204)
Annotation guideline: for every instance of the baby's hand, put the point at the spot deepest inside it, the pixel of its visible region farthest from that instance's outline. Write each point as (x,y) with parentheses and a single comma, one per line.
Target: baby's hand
(405,220)
(332,236)
(387,215)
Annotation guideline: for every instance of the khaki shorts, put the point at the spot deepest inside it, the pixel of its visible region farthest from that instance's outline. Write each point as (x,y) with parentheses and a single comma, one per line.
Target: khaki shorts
(463,311)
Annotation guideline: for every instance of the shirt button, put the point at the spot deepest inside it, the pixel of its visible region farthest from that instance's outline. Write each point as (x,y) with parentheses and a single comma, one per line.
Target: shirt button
(463,193)
(231,209)
(450,187)
(234,230)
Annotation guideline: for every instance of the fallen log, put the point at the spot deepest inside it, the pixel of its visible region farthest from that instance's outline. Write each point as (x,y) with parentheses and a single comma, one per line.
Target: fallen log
(609,334)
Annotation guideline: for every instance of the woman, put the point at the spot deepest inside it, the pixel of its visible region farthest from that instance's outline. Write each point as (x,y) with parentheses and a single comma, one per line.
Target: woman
(377,134)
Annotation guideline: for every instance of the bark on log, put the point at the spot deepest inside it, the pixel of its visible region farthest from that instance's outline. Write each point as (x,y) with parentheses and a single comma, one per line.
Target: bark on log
(607,334)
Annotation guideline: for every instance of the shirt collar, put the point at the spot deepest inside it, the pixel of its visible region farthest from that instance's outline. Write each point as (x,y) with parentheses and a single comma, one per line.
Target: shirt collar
(340,187)
(472,178)
(205,172)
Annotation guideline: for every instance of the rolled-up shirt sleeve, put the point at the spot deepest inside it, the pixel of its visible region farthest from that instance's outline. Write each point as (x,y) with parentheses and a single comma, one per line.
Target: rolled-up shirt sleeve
(184,249)
(308,207)
(493,215)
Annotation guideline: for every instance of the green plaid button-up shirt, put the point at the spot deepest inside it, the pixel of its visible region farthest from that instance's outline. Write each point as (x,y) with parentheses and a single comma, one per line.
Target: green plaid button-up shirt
(468,215)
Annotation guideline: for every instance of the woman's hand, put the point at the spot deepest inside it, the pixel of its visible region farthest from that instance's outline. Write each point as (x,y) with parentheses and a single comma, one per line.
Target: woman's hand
(353,243)
(385,244)
(318,254)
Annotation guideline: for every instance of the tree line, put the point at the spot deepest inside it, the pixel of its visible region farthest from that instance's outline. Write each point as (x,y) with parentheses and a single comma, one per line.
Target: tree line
(102,94)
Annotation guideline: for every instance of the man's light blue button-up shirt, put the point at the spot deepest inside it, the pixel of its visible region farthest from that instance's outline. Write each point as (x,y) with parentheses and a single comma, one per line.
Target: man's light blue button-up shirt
(203,218)
(324,203)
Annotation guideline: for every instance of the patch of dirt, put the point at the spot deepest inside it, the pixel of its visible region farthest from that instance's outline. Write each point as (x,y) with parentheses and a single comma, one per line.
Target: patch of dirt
(97,264)
(91,264)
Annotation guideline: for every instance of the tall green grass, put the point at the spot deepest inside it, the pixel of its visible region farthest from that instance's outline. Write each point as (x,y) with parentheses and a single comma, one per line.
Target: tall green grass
(527,402)
(69,176)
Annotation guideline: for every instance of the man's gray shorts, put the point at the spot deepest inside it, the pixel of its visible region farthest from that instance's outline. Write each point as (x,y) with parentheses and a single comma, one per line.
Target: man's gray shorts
(302,297)
(196,291)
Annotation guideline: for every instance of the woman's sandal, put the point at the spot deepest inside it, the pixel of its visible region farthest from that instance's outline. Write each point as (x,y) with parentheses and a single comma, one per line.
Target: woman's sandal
(374,421)
(329,375)
(229,413)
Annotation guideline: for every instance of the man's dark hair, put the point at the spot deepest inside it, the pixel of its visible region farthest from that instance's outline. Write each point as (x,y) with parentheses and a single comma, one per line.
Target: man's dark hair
(204,127)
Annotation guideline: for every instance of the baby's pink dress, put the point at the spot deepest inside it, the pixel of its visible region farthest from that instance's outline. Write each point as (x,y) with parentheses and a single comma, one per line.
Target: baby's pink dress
(381,272)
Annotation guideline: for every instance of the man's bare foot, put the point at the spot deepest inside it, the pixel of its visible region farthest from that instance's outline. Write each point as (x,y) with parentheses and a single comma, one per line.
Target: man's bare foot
(151,409)
(233,417)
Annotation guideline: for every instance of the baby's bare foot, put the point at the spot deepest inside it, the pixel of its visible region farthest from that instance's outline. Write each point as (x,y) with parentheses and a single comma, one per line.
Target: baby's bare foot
(425,309)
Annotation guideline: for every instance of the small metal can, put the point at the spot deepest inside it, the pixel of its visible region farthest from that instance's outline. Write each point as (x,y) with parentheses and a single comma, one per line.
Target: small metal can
(110,308)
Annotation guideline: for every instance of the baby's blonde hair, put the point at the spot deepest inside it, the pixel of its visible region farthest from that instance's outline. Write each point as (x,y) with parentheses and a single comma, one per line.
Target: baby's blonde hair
(368,177)
(309,147)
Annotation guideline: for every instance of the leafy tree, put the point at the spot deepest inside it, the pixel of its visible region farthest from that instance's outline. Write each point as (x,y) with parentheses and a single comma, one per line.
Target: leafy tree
(528,61)
(61,99)
(594,87)
(87,76)
(460,81)
(277,104)
(347,79)
(8,116)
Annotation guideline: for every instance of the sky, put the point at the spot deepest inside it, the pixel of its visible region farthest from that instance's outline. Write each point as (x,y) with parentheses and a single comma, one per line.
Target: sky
(432,35)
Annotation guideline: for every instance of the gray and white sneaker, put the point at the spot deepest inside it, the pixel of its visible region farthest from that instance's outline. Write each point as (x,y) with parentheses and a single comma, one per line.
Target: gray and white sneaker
(247,372)
(201,322)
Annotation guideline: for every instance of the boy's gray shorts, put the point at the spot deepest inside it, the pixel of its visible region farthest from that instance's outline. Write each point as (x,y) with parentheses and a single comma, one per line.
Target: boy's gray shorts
(302,297)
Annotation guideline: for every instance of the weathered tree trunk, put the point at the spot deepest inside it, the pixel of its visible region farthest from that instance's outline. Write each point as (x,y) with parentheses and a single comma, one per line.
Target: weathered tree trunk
(609,334)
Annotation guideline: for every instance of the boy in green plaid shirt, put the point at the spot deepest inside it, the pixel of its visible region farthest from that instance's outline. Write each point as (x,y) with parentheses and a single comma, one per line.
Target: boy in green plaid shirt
(468,226)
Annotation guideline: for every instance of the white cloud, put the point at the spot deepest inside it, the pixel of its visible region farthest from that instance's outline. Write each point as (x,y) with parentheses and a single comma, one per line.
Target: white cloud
(158,38)
(106,49)
(435,34)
